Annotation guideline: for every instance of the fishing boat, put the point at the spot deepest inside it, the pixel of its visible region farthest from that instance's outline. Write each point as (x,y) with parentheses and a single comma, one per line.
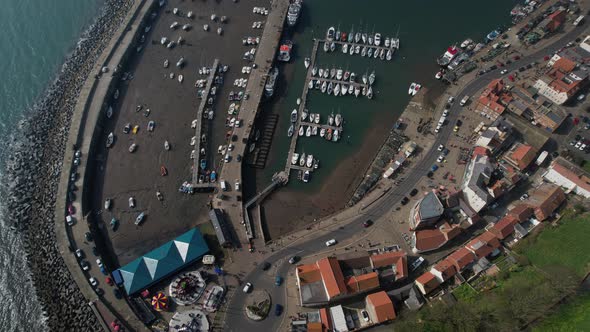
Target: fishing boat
(372,78)
(357,91)
(290,130)
(344,89)
(271,81)
(377,39)
(330,88)
(310,84)
(293,12)
(339,74)
(416,89)
(411,89)
(307,62)
(364,51)
(304,115)
(294,158)
(322,132)
(166,146)
(370,52)
(352,77)
(110,140)
(332,72)
(110,112)
(370,93)
(357,37)
(337,89)
(330,34)
(308,131)
(336,136)
(338,120)
(294,116)
(298,101)
(324,86)
(314,71)
(302,160)
(345,48)
(305,177)
(285,51)
(317,118)
(448,56)
(331,119)
(309,161)
(301,131)
(389,55)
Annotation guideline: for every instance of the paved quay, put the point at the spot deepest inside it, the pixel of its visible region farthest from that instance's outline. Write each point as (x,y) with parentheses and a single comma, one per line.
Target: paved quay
(83,133)
(232,171)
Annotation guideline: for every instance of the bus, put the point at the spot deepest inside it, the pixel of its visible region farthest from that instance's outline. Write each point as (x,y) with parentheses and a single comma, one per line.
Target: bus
(579,20)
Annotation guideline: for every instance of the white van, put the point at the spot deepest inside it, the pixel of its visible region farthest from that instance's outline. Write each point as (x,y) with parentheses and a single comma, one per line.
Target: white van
(464,101)
(247,287)
(330,243)
(223,185)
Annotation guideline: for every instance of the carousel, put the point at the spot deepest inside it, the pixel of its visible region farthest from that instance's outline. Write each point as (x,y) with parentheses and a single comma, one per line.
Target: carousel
(187,288)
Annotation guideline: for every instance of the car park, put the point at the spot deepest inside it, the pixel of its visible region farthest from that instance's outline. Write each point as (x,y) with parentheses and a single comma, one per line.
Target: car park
(247,287)
(294,259)
(330,242)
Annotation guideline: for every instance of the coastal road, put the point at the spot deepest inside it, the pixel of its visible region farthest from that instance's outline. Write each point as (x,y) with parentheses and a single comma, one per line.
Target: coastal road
(236,320)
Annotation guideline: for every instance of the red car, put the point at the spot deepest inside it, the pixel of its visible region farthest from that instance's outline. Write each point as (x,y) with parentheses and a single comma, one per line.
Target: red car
(163,171)
(109,281)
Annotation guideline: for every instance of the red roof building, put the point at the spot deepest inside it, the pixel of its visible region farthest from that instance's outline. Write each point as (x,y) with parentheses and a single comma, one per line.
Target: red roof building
(521,212)
(493,99)
(461,258)
(545,200)
(520,156)
(444,270)
(483,245)
(427,282)
(504,227)
(362,283)
(380,308)
(397,261)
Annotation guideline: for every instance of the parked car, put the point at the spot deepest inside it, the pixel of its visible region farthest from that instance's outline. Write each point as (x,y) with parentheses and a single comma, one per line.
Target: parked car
(294,259)
(330,242)
(413,192)
(79,253)
(365,315)
(93,282)
(278,309)
(247,287)
(440,147)
(265,266)
(367,223)
(84,265)
(88,236)
(278,280)
(434,168)
(405,200)
(95,251)
(99,263)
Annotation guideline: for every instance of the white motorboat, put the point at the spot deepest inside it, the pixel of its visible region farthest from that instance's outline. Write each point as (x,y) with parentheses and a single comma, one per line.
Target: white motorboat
(290,130)
(301,131)
(351,49)
(372,78)
(466,43)
(370,93)
(377,39)
(305,177)
(370,38)
(326,73)
(416,89)
(298,101)
(317,118)
(294,158)
(370,52)
(364,51)
(314,71)
(330,88)
(382,54)
(310,84)
(357,49)
(345,48)
(309,161)
(330,34)
(311,117)
(302,160)
(338,120)
(337,89)
(335,136)
(357,91)
(294,116)
(438,75)
(389,55)
(411,89)
(307,62)
(317,84)
(326,47)
(308,131)
(180,78)
(332,72)
(314,130)
(304,115)
(332,47)
(357,37)
(321,72)
(376,54)
(324,86)
(364,92)
(352,77)
(339,74)
(386,42)
(331,119)
(110,140)
(365,80)
(166,146)
(322,132)
(364,38)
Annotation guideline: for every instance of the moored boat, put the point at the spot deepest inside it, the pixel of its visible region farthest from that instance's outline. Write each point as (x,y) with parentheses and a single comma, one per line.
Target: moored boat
(307,62)
(290,130)
(331,119)
(416,89)
(411,89)
(302,160)
(377,39)
(317,118)
(301,131)
(372,78)
(309,161)
(338,120)
(336,135)
(330,34)
(294,116)
(308,131)
(110,140)
(271,81)
(322,132)
(306,176)
(294,158)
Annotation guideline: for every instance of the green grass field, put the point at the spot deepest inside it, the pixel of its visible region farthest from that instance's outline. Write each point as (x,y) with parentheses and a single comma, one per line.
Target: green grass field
(465,293)
(565,245)
(572,316)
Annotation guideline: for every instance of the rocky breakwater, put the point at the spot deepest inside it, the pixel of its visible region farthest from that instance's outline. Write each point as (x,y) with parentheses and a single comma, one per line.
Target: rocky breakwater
(33,172)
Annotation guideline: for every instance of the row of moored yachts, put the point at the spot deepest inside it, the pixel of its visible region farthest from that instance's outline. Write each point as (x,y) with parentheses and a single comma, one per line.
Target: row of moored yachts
(352,44)
(323,83)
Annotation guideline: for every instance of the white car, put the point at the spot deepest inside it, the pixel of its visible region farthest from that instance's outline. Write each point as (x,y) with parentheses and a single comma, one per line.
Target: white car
(79,253)
(445,113)
(237,185)
(93,282)
(440,158)
(131,202)
(577,146)
(227,158)
(365,315)
(99,263)
(441,147)
(581,97)
(247,287)
(504,71)
(230,147)
(582,147)
(330,243)
(70,220)
(451,100)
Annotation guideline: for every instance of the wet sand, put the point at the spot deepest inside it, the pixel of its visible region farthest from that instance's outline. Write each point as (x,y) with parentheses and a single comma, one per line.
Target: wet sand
(173,106)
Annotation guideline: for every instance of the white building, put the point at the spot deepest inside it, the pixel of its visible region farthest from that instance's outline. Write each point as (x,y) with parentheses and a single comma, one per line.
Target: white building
(475,181)
(568,176)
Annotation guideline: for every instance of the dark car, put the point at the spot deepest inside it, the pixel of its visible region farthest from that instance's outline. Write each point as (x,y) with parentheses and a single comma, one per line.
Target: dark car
(239,158)
(294,259)
(99,291)
(117,293)
(278,280)
(234,138)
(88,236)
(413,192)
(459,123)
(265,266)
(521,69)
(405,200)
(368,223)
(95,251)
(278,309)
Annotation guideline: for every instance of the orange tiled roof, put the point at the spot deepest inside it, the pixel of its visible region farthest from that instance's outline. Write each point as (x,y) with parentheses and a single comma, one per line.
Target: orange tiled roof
(332,276)
(364,282)
(574,174)
(428,281)
(461,258)
(383,306)
(429,239)
(545,199)
(521,212)
(523,156)
(446,268)
(397,258)
(308,273)
(483,244)
(325,318)
(504,227)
